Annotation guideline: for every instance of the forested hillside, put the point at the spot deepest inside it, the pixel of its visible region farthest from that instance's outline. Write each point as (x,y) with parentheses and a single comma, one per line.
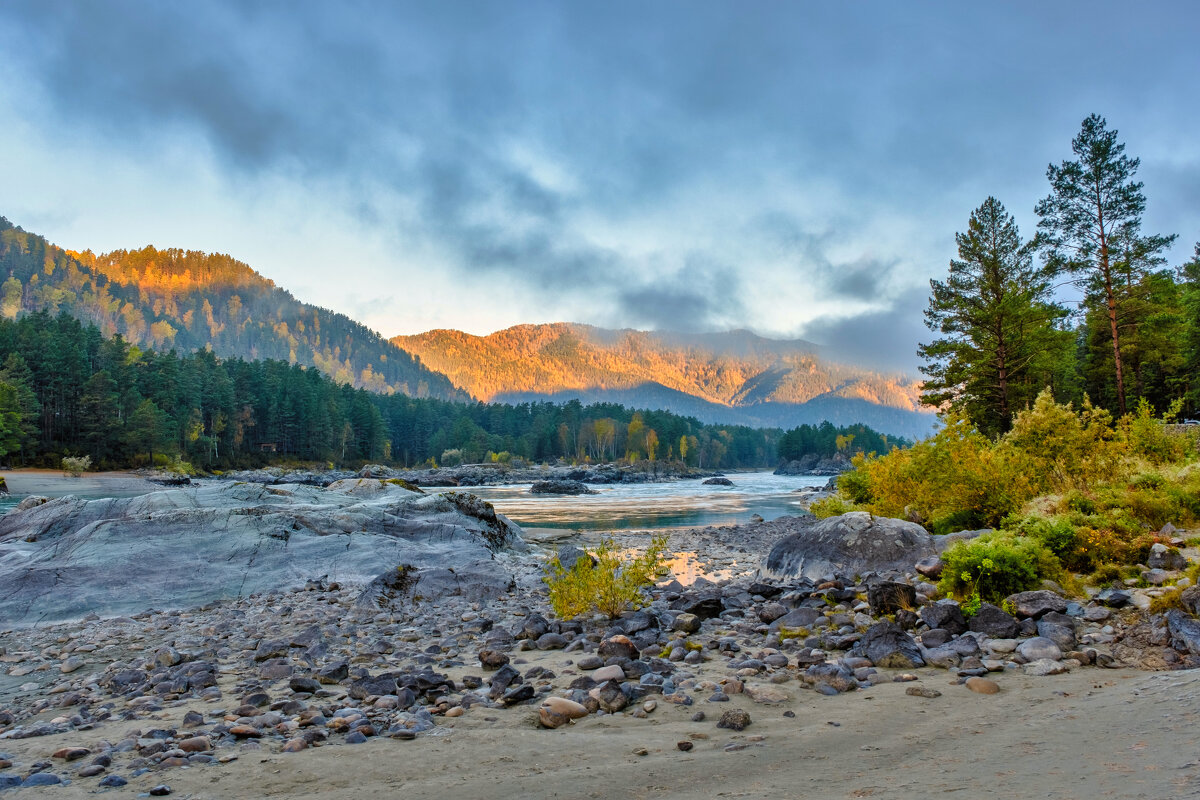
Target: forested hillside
(735,377)
(67,390)
(189,300)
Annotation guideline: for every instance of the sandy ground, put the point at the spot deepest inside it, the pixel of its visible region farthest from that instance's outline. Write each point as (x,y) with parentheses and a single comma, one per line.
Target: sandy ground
(1090,734)
(53,483)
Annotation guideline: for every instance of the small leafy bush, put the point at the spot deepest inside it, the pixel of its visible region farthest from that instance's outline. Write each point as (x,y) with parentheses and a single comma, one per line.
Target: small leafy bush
(605,582)
(996,564)
(76,465)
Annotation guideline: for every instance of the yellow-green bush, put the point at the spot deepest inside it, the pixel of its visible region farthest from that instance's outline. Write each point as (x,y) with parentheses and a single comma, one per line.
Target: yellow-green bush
(831,506)
(1067,449)
(954,480)
(1085,467)
(609,585)
(994,565)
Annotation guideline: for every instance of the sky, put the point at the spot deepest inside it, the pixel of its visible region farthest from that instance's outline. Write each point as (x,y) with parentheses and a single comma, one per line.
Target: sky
(797,169)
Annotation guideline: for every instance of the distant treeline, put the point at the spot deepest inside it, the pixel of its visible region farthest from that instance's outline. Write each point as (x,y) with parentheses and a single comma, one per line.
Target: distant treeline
(825,440)
(67,390)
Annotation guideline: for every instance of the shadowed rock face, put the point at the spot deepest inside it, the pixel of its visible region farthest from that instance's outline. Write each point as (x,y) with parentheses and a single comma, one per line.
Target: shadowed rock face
(850,544)
(187,547)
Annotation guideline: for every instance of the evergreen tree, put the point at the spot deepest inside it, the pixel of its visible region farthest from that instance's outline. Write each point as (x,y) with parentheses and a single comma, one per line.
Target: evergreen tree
(999,346)
(1190,300)
(17,374)
(1090,229)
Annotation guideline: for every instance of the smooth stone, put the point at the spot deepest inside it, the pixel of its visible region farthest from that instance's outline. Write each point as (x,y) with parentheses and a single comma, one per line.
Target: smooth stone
(982,685)
(609,673)
(1043,667)
(196,744)
(767,694)
(1039,648)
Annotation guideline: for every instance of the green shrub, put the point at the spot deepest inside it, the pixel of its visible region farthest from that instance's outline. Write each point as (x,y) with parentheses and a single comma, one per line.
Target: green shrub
(1105,575)
(609,585)
(855,485)
(995,565)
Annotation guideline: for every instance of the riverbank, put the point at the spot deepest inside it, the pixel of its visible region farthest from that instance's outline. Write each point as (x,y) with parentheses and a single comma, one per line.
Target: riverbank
(209,702)
(733,679)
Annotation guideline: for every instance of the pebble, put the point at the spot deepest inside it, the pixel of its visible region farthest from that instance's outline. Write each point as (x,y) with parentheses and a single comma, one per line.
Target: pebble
(922,691)
(685,745)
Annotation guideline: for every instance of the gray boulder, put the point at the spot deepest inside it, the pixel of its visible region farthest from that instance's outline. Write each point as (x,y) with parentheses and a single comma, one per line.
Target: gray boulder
(1058,628)
(830,678)
(885,644)
(1184,632)
(944,615)
(1163,557)
(994,622)
(718,482)
(187,547)
(850,544)
(1039,648)
(1036,604)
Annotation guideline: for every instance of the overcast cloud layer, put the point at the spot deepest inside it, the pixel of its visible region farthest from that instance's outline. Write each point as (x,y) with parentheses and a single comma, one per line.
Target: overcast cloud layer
(792,168)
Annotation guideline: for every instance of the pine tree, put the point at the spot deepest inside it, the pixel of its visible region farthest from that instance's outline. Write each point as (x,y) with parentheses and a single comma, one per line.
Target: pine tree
(999,346)
(1090,229)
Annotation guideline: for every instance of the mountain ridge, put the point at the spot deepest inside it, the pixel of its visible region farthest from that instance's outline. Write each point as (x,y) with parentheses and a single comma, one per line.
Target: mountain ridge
(735,377)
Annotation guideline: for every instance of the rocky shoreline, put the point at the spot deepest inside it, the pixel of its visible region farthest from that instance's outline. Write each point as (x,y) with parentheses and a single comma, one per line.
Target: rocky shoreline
(477,475)
(99,702)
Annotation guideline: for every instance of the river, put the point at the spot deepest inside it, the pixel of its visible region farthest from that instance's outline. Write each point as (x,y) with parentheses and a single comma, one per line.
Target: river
(653,506)
(636,506)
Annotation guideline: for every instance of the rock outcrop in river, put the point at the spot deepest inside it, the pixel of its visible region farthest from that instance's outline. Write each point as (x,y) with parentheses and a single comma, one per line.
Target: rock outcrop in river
(186,547)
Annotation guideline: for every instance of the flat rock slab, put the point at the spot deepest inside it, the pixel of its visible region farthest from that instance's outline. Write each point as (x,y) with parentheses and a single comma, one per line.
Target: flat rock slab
(187,547)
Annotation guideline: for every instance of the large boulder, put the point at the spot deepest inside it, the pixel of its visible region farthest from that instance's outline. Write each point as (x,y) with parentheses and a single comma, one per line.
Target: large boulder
(947,616)
(994,622)
(187,547)
(885,644)
(850,544)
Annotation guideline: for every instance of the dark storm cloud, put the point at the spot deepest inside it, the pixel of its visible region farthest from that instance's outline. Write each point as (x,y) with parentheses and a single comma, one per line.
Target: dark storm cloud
(703,296)
(885,339)
(924,109)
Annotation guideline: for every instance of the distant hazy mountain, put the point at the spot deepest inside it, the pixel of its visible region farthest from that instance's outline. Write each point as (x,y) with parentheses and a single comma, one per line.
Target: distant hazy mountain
(190,300)
(734,377)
